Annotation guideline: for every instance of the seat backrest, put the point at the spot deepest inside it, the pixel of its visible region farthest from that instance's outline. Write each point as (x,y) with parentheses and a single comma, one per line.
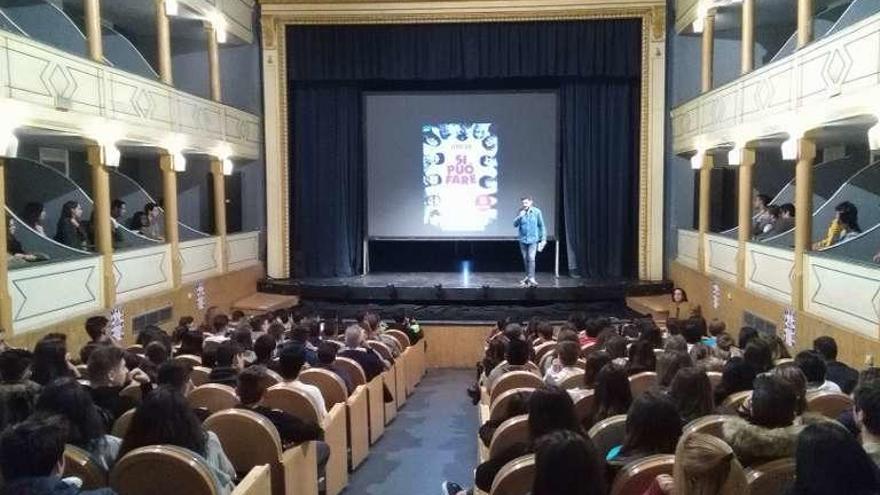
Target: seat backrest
(828,404)
(213,397)
(714,378)
(509,433)
(772,477)
(542,350)
(332,387)
(608,433)
(199,375)
(120,426)
(292,402)
(132,391)
(162,469)
(248,438)
(257,482)
(642,382)
(401,337)
(192,359)
(514,379)
(782,361)
(574,381)
(135,349)
(274,377)
(80,463)
(583,407)
(382,349)
(734,400)
(358,377)
(710,425)
(516,477)
(637,476)
(502,403)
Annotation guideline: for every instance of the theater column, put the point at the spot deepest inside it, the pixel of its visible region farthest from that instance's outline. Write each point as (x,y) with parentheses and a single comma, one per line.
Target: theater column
(92,14)
(803,219)
(5,301)
(213,61)
(708,52)
(169,204)
(163,43)
(220,208)
(744,211)
(705,214)
(804,22)
(101,218)
(747,59)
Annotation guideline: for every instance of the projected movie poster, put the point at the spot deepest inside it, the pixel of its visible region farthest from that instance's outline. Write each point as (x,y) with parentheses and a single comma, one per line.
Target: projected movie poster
(460,164)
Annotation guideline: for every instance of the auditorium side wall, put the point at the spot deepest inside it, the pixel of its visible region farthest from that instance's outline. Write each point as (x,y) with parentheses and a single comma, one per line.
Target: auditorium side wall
(853,349)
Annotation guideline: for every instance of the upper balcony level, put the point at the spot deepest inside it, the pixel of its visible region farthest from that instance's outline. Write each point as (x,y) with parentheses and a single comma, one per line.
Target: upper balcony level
(53,77)
(825,74)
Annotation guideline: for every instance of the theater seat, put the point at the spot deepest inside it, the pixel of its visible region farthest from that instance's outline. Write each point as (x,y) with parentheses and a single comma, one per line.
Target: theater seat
(358,377)
(514,379)
(710,425)
(163,469)
(637,476)
(401,337)
(714,378)
(80,463)
(199,375)
(608,433)
(829,404)
(509,433)
(191,359)
(642,382)
(771,478)
(133,392)
(583,407)
(571,382)
(250,440)
(120,426)
(257,482)
(332,387)
(503,402)
(213,397)
(735,400)
(135,349)
(543,349)
(516,477)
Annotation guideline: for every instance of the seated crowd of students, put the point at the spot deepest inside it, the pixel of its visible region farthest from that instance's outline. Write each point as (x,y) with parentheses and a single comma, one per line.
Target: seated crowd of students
(761,396)
(47,401)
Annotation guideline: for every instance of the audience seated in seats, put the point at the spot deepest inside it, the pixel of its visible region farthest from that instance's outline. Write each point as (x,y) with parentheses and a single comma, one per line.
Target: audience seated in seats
(18,393)
(594,363)
(813,366)
(16,255)
(264,350)
(675,343)
(612,395)
(649,332)
(736,376)
(290,362)
(566,462)
(867,416)
(517,359)
(155,353)
(371,362)
(693,331)
(252,384)
(642,358)
(715,328)
(725,348)
(165,417)
(794,377)
(829,461)
(772,425)
(176,375)
(370,322)
(407,325)
(781,221)
(759,354)
(228,362)
(237,319)
(845,226)
(50,361)
(653,426)
(704,357)
(550,409)
(108,375)
(746,335)
(668,365)
(778,349)
(219,330)
(153,229)
(543,333)
(259,326)
(85,426)
(152,333)
(704,465)
(97,329)
(209,353)
(761,218)
(33,216)
(587,330)
(70,230)
(568,353)
(326,360)
(245,340)
(691,392)
(679,308)
(518,405)
(32,460)
(300,336)
(118,210)
(191,343)
(616,346)
(835,371)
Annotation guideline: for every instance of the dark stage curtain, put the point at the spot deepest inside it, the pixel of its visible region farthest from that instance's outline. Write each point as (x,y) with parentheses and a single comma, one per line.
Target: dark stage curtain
(595,65)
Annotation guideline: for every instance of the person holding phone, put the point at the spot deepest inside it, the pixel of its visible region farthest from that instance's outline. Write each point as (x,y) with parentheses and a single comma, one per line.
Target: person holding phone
(532,237)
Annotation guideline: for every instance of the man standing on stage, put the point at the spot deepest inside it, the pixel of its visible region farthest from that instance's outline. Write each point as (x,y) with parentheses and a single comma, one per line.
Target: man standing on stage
(530,226)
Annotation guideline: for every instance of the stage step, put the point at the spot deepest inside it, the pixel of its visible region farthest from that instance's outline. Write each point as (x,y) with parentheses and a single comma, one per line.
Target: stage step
(263,302)
(656,306)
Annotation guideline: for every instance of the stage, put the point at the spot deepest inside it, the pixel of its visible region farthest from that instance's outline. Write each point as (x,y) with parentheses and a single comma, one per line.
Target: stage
(434,296)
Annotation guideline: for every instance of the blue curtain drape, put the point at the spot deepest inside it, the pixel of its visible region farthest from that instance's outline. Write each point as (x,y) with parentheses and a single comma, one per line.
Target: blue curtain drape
(595,65)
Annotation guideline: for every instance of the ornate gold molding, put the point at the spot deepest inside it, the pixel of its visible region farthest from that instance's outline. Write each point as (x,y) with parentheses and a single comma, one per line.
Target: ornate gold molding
(652,14)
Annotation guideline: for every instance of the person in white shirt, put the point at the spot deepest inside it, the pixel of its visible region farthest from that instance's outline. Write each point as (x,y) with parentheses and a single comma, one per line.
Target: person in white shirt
(565,364)
(813,366)
(290,361)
